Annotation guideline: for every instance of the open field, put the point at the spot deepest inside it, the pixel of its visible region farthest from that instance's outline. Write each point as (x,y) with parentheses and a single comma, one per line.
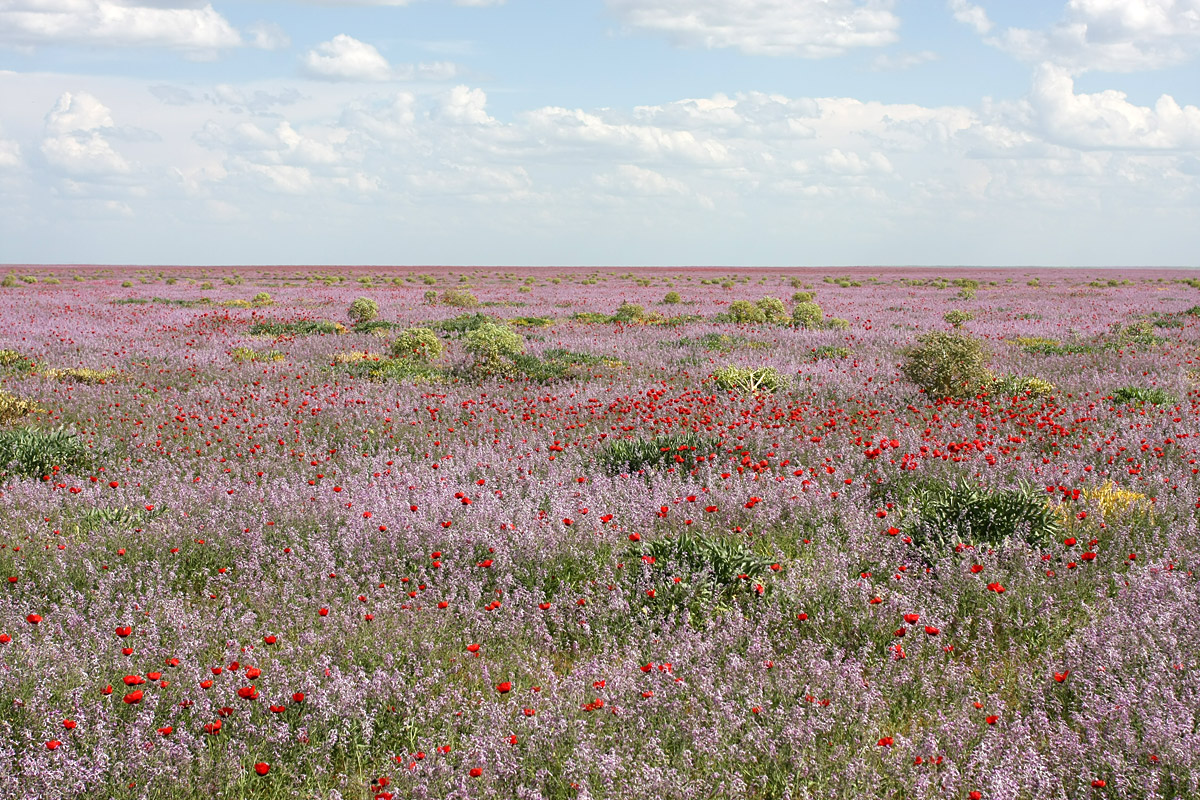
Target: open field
(578,538)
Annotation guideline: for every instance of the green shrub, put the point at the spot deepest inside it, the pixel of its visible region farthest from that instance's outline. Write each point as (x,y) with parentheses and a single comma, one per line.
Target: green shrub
(304,327)
(13,408)
(836,324)
(463,323)
(363,309)
(943,515)
(957,318)
(1016,386)
(807,315)
(744,311)
(244,355)
(802,297)
(376,327)
(398,369)
(431,297)
(14,363)
(1134,334)
(629,312)
(830,351)
(34,453)
(420,345)
(947,365)
(773,309)
(1137,395)
(679,451)
(494,347)
(9,281)
(262,299)
(459,298)
(747,380)
(671,298)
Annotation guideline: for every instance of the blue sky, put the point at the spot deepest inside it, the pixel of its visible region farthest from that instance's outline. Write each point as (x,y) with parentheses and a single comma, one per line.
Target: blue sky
(626,132)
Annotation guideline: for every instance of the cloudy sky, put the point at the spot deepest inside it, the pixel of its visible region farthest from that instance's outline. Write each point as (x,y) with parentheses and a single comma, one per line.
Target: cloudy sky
(625,132)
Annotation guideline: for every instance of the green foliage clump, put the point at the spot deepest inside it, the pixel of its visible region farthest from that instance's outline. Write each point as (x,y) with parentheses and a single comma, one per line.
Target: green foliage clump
(590,317)
(13,408)
(1133,335)
(957,317)
(363,309)
(494,347)
(459,298)
(244,355)
(830,351)
(773,309)
(463,323)
(531,322)
(947,365)
(304,327)
(678,451)
(802,297)
(671,298)
(13,363)
(1018,385)
(420,345)
(748,380)
(807,315)
(836,324)
(9,281)
(629,312)
(746,312)
(84,375)
(35,453)
(431,297)
(262,299)
(1138,395)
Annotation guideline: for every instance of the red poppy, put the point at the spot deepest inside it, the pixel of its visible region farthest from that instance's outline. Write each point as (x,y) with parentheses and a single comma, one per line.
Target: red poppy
(69,724)
(248,693)
(472,648)
(133,698)
(1059,677)
(262,768)
(166,731)
(932,631)
(123,632)
(886,741)
(33,619)
(911,619)
(504,687)
(476,772)
(298,697)
(53,744)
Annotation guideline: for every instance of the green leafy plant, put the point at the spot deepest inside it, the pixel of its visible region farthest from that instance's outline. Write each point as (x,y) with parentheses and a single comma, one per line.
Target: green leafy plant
(748,380)
(459,298)
(671,298)
(420,345)
(494,347)
(305,327)
(947,365)
(363,309)
(13,408)
(773,310)
(36,452)
(1138,395)
(956,317)
(808,315)
(14,363)
(1017,385)
(830,351)
(745,312)
(681,451)
(629,312)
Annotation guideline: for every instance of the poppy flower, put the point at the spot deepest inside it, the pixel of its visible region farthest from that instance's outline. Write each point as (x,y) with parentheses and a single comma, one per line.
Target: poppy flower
(298,697)
(472,648)
(476,772)
(1059,677)
(165,731)
(976,795)
(886,741)
(123,632)
(53,744)
(248,693)
(932,631)
(270,639)
(911,619)
(504,687)
(212,728)
(5,638)
(33,619)
(133,698)
(544,606)
(69,724)
(1098,784)
(992,720)
(262,768)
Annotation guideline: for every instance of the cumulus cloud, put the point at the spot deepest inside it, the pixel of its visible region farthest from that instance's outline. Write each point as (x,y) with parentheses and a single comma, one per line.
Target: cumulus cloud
(1107,120)
(808,28)
(895,62)
(177,24)
(345,58)
(75,142)
(1105,35)
(10,154)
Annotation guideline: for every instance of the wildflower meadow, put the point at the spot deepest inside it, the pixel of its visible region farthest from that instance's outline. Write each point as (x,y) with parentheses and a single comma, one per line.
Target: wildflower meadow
(550,533)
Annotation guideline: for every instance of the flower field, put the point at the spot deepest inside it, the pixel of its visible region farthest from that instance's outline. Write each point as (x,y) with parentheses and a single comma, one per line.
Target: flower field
(599,534)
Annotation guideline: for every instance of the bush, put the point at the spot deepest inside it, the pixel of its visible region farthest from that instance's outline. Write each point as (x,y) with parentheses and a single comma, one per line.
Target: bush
(802,297)
(14,363)
(947,365)
(34,453)
(9,281)
(836,324)
(494,347)
(459,298)
(262,299)
(13,408)
(830,351)
(363,309)
(420,345)
(673,450)
(745,312)
(773,309)
(629,312)
(748,380)
(962,513)
(957,318)
(463,323)
(431,297)
(1015,386)
(807,315)
(304,327)
(1137,395)
(671,298)
(83,375)
(243,355)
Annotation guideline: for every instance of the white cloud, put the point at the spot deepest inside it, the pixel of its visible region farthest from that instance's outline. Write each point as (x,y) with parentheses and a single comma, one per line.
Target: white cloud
(809,28)
(10,154)
(971,15)
(346,58)
(631,179)
(268,36)
(77,112)
(75,143)
(1107,120)
(464,105)
(895,62)
(1105,35)
(178,24)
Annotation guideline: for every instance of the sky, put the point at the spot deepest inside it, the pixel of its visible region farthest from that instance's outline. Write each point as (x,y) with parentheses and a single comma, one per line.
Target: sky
(601,132)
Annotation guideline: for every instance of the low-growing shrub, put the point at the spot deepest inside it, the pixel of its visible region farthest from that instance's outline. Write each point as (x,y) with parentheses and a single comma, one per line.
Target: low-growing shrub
(807,314)
(305,327)
(13,408)
(671,298)
(947,365)
(679,451)
(464,323)
(1017,385)
(34,452)
(363,309)
(745,312)
(262,299)
(830,351)
(1138,395)
(459,298)
(14,363)
(420,345)
(245,355)
(956,317)
(836,324)
(629,312)
(493,347)
(773,309)
(748,380)
(83,375)
(802,297)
